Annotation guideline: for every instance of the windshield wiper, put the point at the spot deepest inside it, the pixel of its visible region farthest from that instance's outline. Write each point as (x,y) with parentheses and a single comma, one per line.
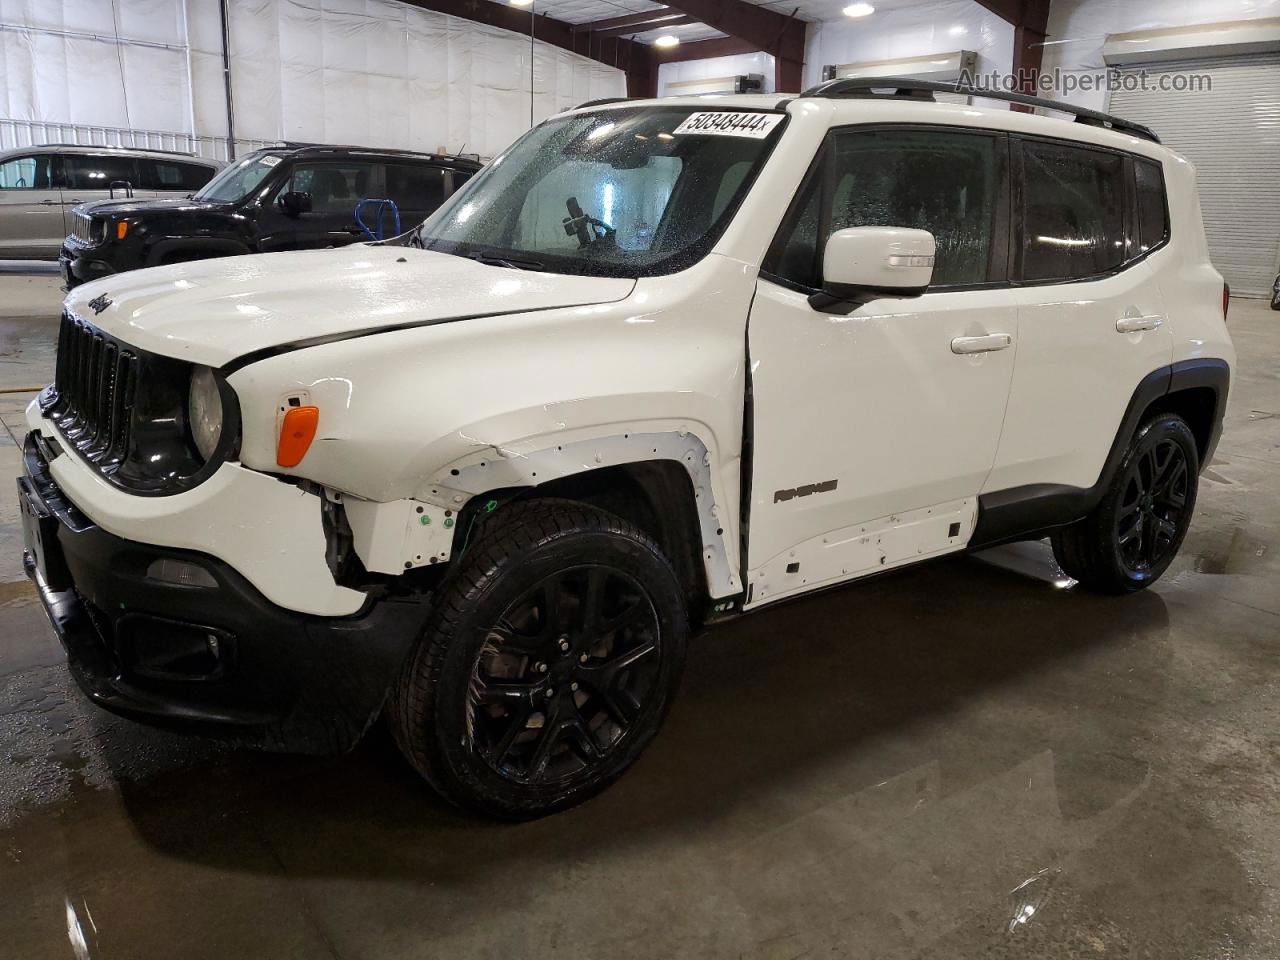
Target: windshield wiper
(518,264)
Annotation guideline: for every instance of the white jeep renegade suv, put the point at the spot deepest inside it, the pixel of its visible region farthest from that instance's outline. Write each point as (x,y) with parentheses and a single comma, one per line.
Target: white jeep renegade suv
(660,363)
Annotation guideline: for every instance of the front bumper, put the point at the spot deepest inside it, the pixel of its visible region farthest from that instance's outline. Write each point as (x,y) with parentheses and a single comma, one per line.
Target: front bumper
(211,653)
(80,266)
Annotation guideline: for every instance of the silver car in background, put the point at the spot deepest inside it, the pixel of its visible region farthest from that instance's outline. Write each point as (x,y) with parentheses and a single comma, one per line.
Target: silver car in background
(40,184)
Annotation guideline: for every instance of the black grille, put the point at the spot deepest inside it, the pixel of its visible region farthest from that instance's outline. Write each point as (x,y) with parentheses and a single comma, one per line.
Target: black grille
(94,385)
(85,229)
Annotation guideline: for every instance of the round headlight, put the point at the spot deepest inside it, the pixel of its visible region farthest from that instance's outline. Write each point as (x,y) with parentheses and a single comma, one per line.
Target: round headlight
(204,411)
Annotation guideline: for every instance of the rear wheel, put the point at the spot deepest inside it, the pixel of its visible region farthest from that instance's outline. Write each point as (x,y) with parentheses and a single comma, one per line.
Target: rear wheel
(1133,534)
(548,662)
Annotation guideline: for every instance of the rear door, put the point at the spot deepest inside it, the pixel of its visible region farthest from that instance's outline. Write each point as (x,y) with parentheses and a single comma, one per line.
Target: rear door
(31,224)
(873,431)
(335,188)
(87,177)
(1091,319)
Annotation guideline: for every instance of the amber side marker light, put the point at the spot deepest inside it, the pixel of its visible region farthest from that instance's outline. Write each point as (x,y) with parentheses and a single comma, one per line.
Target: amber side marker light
(122,229)
(296,434)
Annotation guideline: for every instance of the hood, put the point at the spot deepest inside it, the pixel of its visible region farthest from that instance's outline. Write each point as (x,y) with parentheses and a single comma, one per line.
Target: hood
(215,311)
(132,208)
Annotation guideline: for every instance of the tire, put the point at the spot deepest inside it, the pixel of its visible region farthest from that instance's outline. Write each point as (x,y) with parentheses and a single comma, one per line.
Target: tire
(1133,534)
(514,713)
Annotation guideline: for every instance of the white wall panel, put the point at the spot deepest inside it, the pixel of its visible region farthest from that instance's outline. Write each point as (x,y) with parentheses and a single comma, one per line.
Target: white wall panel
(1078,29)
(912,30)
(376,72)
(718,67)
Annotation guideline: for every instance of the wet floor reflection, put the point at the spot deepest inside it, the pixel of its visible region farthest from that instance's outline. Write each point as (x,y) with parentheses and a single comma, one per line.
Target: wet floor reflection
(883,770)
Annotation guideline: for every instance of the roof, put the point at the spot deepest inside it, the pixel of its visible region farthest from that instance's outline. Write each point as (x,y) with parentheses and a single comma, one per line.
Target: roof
(891,109)
(93,148)
(347,150)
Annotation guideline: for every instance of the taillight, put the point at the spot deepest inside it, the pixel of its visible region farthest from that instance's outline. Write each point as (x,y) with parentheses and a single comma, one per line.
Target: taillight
(1226,299)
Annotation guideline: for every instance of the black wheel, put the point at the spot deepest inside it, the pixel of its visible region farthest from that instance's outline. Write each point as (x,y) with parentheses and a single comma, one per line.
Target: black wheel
(547,663)
(1132,536)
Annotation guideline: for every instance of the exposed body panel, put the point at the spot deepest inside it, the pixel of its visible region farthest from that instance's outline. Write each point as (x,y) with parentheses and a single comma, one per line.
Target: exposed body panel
(269,531)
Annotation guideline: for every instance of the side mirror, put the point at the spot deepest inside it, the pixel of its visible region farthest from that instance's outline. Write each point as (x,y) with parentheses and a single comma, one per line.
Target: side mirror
(861,264)
(295,203)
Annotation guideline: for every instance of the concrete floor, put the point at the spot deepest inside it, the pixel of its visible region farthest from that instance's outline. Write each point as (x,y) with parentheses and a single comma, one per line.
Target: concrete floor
(967,759)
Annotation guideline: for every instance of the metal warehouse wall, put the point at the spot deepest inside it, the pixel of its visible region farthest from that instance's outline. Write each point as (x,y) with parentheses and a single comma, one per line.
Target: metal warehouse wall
(351,71)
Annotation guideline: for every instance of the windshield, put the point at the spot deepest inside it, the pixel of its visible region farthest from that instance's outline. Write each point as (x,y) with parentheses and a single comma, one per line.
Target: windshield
(628,192)
(240,179)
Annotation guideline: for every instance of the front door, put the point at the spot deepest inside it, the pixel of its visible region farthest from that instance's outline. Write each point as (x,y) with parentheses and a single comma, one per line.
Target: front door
(335,188)
(30,209)
(873,432)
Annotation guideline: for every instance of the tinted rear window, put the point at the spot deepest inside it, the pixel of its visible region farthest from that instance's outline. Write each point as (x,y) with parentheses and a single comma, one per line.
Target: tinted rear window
(1073,202)
(1153,223)
(416,187)
(98,172)
(173,175)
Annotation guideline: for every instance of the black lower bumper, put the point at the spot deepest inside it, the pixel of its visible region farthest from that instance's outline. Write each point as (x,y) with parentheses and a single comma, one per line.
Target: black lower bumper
(79,267)
(181,639)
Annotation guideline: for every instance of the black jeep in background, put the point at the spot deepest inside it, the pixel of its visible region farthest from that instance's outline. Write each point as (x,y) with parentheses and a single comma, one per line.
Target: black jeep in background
(286,198)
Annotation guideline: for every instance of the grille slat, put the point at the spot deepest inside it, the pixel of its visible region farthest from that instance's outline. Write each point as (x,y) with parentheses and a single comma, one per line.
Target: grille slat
(95,380)
(83,229)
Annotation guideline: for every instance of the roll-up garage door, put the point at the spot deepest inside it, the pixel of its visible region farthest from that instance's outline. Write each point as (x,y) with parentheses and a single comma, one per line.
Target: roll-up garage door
(1232,134)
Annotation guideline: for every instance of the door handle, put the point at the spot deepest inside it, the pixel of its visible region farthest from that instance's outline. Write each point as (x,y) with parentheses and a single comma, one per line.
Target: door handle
(1138,324)
(988,344)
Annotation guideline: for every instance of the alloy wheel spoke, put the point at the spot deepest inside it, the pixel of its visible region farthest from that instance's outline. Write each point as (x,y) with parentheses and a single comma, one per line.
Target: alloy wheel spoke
(584,743)
(1132,532)
(620,706)
(591,610)
(552,728)
(504,693)
(518,723)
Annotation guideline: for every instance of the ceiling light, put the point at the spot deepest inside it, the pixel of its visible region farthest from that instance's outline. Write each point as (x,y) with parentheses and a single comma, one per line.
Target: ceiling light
(666,41)
(859,10)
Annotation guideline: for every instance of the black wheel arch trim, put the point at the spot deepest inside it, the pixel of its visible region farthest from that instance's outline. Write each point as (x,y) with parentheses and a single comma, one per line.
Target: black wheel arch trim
(1031,511)
(214,246)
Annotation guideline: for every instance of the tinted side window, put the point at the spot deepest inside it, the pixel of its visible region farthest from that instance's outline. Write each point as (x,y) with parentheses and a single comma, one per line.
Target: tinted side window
(1153,223)
(26,173)
(98,172)
(943,182)
(1073,202)
(417,187)
(335,188)
(173,175)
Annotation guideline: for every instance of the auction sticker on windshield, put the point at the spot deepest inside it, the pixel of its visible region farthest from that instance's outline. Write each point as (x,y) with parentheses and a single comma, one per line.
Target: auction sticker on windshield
(269,160)
(730,124)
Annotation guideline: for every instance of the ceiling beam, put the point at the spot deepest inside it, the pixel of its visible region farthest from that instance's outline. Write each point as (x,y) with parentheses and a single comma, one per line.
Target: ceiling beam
(630,20)
(672,20)
(703,49)
(1030,19)
(761,28)
(634,59)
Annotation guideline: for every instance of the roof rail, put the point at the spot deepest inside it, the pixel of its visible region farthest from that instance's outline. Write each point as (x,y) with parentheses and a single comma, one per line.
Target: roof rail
(602,101)
(909,88)
(117,146)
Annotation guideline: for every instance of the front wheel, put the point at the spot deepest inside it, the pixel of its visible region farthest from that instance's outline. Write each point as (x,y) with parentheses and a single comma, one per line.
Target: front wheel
(547,664)
(1133,534)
